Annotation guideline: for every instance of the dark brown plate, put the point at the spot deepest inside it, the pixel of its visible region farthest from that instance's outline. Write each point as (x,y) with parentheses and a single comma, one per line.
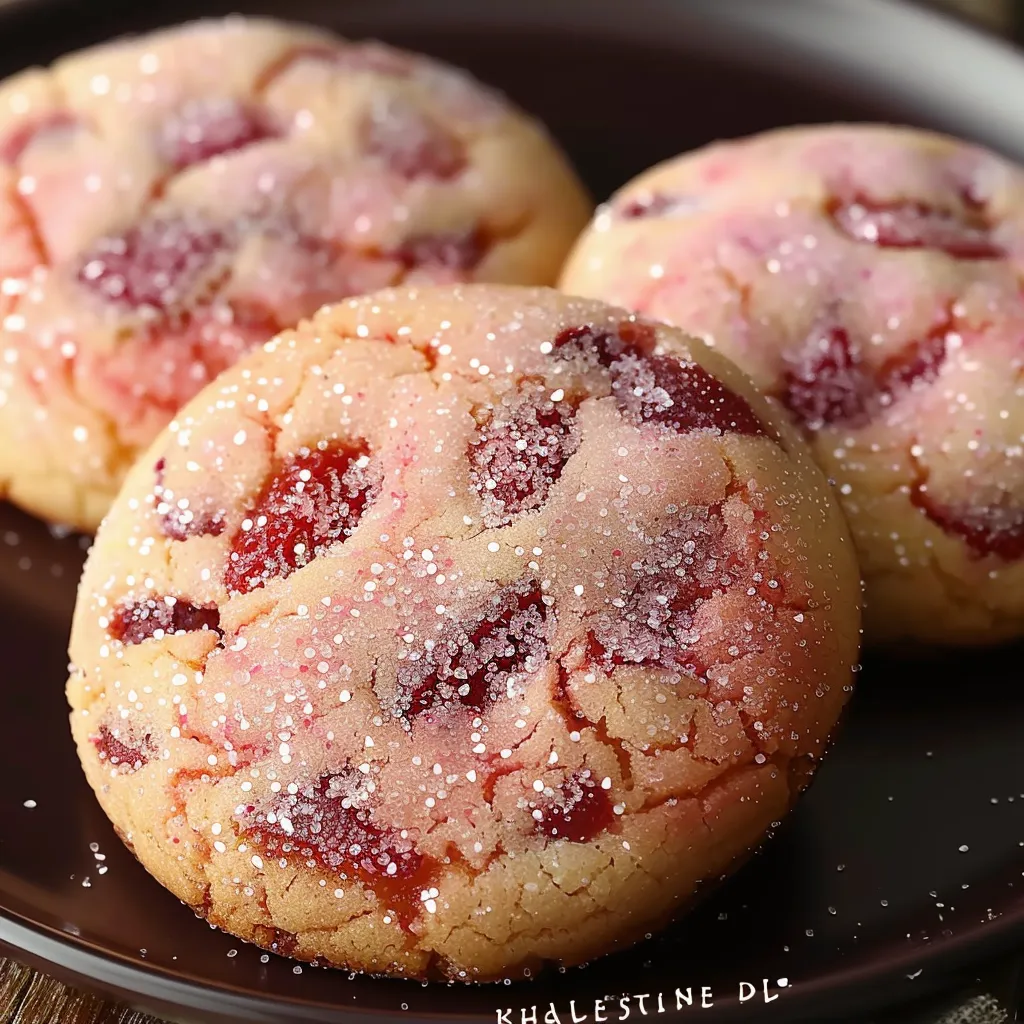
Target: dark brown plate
(903,865)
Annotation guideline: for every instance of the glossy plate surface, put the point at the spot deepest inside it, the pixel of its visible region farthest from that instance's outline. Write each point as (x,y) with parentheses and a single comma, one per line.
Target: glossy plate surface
(903,864)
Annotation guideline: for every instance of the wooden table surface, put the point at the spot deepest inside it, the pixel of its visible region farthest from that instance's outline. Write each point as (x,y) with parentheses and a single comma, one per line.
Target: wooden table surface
(28,997)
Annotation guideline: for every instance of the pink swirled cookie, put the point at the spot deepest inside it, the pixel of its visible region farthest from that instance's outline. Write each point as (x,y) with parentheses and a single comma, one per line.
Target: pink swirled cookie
(168,202)
(461,630)
(870,279)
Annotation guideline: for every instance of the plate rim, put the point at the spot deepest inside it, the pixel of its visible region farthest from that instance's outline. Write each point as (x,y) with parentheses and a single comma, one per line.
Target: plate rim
(864,987)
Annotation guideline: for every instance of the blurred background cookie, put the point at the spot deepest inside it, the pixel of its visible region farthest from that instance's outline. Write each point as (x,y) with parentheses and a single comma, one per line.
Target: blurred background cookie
(169,201)
(869,279)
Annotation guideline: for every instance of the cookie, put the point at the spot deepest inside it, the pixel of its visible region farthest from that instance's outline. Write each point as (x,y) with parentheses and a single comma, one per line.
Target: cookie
(868,278)
(170,201)
(460,630)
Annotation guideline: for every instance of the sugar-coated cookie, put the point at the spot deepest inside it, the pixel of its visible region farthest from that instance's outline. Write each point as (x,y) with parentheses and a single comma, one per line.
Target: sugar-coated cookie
(869,278)
(459,630)
(169,201)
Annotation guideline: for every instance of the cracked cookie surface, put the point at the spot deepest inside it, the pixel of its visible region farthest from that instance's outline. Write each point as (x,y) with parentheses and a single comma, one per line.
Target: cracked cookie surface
(170,201)
(459,630)
(870,280)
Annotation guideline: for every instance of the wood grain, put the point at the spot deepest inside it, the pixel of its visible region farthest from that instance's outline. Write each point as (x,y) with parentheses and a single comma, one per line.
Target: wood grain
(27,997)
(997,14)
